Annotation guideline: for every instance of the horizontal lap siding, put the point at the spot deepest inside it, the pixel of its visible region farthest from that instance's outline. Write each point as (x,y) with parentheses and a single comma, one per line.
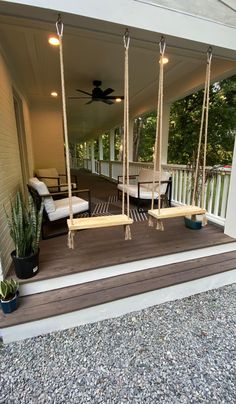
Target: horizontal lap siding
(10,168)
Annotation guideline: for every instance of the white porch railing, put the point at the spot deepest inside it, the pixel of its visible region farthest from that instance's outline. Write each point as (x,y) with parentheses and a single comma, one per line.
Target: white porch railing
(217,186)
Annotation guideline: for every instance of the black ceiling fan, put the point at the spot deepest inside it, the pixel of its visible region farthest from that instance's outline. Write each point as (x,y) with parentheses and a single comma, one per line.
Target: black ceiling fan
(99,95)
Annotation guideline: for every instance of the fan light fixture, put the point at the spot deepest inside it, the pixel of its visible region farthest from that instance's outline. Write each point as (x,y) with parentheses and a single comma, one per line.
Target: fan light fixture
(54,94)
(53,40)
(118,99)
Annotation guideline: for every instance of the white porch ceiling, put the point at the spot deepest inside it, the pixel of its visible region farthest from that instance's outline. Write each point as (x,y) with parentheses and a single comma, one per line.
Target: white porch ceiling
(93,50)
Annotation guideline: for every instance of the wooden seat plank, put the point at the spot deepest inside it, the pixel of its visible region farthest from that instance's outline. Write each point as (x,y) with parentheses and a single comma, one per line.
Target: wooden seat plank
(97,222)
(176,211)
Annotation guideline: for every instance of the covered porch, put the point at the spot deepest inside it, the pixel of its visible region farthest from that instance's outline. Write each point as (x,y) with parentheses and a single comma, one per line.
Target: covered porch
(106,247)
(104,267)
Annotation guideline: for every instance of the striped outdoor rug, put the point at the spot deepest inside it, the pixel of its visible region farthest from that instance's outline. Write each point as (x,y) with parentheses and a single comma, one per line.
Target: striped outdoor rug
(105,209)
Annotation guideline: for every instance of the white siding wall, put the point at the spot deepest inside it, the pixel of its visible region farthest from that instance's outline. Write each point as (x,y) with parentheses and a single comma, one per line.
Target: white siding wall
(10,167)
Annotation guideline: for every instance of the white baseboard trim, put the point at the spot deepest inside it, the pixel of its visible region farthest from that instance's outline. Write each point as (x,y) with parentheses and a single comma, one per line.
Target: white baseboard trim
(115,270)
(116,308)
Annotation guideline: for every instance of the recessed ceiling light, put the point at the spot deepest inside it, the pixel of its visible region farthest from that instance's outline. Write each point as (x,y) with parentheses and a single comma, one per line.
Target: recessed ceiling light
(118,99)
(54,94)
(53,40)
(165,60)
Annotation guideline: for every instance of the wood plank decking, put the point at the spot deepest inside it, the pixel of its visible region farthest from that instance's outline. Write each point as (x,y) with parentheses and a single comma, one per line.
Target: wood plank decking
(61,301)
(97,248)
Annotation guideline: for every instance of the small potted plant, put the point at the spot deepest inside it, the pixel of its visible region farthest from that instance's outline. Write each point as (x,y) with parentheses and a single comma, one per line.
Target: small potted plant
(9,295)
(25,229)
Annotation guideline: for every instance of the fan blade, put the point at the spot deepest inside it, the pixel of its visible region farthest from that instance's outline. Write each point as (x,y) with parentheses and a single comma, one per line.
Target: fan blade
(107,101)
(108,91)
(113,97)
(84,92)
(78,98)
(90,102)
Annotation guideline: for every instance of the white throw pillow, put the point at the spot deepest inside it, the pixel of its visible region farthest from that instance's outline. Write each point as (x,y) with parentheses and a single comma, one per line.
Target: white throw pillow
(42,189)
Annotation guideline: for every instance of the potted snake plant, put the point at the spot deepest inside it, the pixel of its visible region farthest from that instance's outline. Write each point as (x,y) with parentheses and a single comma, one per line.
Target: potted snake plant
(25,229)
(9,295)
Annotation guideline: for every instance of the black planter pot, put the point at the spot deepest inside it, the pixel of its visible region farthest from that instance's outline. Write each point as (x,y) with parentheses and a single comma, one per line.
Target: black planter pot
(10,305)
(192,224)
(25,267)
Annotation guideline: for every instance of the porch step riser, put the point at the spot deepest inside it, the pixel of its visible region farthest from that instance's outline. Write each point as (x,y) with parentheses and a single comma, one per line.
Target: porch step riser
(116,270)
(116,308)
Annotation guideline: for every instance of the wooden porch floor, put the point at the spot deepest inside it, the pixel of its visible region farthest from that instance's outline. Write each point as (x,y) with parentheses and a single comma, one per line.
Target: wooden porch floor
(42,310)
(104,247)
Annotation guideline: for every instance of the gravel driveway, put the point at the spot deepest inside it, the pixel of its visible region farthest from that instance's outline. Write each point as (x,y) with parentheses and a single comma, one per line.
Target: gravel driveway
(177,352)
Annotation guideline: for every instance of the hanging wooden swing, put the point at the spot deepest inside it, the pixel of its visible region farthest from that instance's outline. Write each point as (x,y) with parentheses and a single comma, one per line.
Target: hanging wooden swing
(123,219)
(186,210)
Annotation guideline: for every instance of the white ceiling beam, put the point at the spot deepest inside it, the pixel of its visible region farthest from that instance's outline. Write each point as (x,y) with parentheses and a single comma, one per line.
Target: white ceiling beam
(147,16)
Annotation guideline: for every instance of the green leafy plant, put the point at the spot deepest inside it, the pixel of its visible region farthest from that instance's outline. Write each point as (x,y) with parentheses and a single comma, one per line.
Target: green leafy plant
(25,225)
(8,289)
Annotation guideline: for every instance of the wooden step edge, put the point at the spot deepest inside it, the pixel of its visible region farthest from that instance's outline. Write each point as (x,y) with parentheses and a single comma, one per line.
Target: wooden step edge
(102,296)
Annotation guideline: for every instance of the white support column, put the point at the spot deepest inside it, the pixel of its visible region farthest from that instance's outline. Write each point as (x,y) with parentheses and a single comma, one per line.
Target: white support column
(92,157)
(131,140)
(230,221)
(100,147)
(112,144)
(165,133)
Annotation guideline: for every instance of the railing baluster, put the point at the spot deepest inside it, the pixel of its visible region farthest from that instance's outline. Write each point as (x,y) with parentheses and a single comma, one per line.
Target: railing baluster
(210,199)
(176,185)
(217,194)
(225,195)
(180,186)
(185,186)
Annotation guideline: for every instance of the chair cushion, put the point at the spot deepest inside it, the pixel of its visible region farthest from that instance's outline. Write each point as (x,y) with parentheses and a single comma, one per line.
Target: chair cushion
(62,207)
(42,189)
(48,172)
(133,191)
(53,183)
(147,175)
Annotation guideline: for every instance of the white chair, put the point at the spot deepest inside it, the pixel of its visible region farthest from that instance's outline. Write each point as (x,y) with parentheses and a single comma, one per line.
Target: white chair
(54,180)
(56,209)
(142,189)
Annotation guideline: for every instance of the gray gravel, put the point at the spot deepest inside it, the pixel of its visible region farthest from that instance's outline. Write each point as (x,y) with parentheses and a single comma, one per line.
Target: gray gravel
(178,352)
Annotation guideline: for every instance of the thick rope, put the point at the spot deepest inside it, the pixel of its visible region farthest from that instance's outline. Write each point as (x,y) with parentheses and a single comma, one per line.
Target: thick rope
(126,136)
(59,27)
(126,99)
(205,111)
(156,145)
(128,232)
(209,57)
(124,155)
(160,130)
(159,126)
(70,239)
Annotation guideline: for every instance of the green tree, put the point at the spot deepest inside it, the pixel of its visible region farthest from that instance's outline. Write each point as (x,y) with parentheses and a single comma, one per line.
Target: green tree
(185,122)
(145,128)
